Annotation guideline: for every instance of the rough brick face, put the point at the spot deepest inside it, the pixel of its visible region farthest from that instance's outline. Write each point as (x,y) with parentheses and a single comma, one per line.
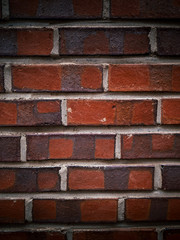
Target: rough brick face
(30,42)
(171,234)
(168,41)
(30,113)
(10,149)
(101,112)
(150,146)
(110,178)
(116,41)
(57,78)
(29,180)
(12,211)
(171,111)
(24,235)
(167,9)
(171,177)
(56,9)
(141,77)
(44,147)
(156,209)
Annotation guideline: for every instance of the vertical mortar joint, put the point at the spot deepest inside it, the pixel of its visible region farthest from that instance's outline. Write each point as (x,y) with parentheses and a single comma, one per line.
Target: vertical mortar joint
(121,209)
(55,50)
(7,78)
(28,209)
(23,148)
(63,175)
(157,177)
(159,111)
(105,77)
(5,9)
(118,147)
(153,40)
(106,9)
(64,112)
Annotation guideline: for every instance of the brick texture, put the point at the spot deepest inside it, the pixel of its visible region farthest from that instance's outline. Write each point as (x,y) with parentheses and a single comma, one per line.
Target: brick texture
(1,79)
(171,111)
(27,235)
(170,177)
(9,148)
(171,234)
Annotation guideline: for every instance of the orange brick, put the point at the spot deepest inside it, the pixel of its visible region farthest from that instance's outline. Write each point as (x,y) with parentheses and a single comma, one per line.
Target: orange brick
(48,107)
(171,111)
(104,149)
(8,113)
(80,179)
(91,77)
(140,179)
(60,148)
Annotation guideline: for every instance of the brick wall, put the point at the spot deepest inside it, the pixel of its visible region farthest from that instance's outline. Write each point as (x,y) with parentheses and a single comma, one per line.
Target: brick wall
(89,120)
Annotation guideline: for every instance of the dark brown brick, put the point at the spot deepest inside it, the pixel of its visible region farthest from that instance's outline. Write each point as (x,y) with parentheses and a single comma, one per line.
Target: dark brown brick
(171,234)
(150,146)
(116,41)
(64,9)
(10,149)
(2,78)
(168,41)
(25,235)
(171,177)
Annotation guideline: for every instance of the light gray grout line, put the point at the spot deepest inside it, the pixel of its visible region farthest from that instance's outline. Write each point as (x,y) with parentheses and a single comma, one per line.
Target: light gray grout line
(105,77)
(28,209)
(92,195)
(5,9)
(89,96)
(106,9)
(63,174)
(55,50)
(7,78)
(159,105)
(64,112)
(23,148)
(153,40)
(69,235)
(91,60)
(160,232)
(118,147)
(121,209)
(158,177)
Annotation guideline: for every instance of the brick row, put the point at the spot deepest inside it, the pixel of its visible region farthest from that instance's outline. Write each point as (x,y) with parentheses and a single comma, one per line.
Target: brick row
(29,180)
(152,209)
(30,113)
(110,178)
(32,235)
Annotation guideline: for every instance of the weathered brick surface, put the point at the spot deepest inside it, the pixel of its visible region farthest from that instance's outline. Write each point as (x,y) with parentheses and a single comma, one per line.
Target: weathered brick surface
(166,9)
(126,234)
(9,148)
(156,209)
(150,146)
(104,112)
(30,113)
(75,211)
(168,41)
(22,42)
(57,78)
(171,111)
(27,235)
(116,41)
(42,147)
(29,180)
(171,234)
(76,9)
(171,177)
(143,77)
(1,78)
(12,211)
(110,178)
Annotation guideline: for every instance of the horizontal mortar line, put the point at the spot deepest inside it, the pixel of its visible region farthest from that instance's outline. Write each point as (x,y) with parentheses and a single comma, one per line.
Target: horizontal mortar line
(60,23)
(91,163)
(90,59)
(89,96)
(39,227)
(112,130)
(93,195)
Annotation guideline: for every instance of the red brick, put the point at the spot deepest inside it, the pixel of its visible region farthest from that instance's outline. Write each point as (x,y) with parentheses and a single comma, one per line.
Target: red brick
(44,210)
(19,8)
(8,113)
(136,43)
(173,213)
(48,180)
(94,8)
(48,107)
(171,111)
(36,78)
(171,234)
(105,148)
(101,112)
(127,142)
(124,9)
(100,210)
(176,78)
(26,235)
(124,233)
(162,142)
(7,179)
(140,179)
(60,148)
(84,179)
(91,77)
(34,42)
(138,209)
(12,211)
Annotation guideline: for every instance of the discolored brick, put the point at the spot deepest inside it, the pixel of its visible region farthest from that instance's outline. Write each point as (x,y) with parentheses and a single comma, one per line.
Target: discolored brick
(171,234)
(27,235)
(173,212)
(10,149)
(176,78)
(7,179)
(171,177)
(2,79)
(48,180)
